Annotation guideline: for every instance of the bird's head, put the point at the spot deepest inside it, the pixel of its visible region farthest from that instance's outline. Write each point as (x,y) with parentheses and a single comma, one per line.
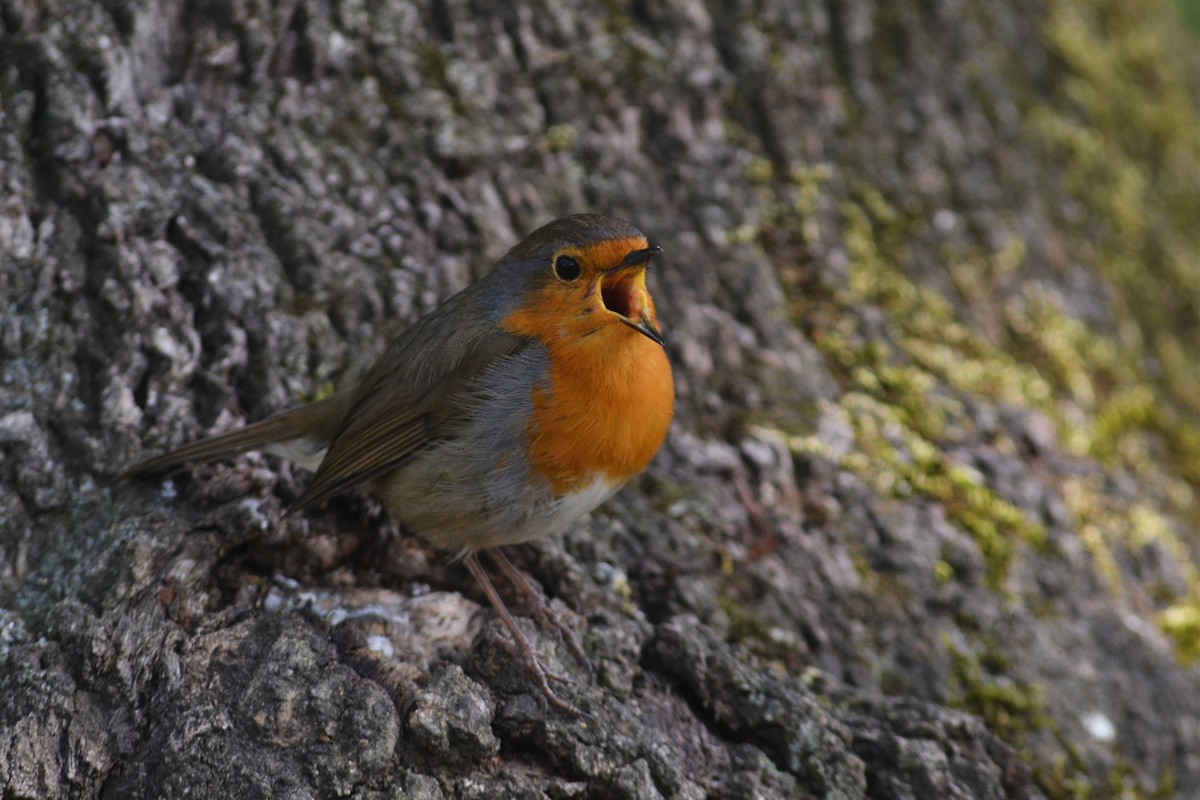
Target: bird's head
(578,276)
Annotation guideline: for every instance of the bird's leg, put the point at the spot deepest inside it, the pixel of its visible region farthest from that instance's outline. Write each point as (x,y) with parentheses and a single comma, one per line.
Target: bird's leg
(532,665)
(535,599)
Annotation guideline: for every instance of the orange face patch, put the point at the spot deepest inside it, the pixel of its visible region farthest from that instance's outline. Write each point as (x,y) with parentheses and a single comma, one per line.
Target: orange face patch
(577,309)
(610,395)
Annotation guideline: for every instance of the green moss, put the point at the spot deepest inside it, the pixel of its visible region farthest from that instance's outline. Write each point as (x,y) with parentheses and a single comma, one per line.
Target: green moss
(752,631)
(744,625)
(1120,131)
(1063,779)
(435,64)
(559,138)
(616,18)
(1122,123)
(902,400)
(1181,621)
(1011,709)
(323,391)
(664,490)
(897,461)
(759,171)
(1014,710)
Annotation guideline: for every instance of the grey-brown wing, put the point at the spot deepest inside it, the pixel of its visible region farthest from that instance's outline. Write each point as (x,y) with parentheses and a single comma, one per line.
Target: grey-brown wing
(405,402)
(316,420)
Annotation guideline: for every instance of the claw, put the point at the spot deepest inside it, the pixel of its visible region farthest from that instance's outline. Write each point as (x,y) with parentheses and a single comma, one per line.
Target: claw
(534,667)
(535,599)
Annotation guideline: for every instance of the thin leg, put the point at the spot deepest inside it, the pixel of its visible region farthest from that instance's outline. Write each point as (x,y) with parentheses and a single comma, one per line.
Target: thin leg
(535,599)
(532,665)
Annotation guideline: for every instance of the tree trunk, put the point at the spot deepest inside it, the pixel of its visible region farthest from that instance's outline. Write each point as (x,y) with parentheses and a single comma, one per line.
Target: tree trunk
(926,522)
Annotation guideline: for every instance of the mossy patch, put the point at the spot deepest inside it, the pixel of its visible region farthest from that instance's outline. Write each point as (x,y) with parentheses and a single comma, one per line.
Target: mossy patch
(904,389)
(978,683)
(753,632)
(1122,122)
(907,381)
(1015,711)
(1112,125)
(1121,394)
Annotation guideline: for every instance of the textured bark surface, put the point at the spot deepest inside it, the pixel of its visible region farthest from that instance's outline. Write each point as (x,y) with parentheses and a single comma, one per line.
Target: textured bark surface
(925,525)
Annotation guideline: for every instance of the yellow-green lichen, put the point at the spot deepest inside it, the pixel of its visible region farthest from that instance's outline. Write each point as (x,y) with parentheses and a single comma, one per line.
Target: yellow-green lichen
(1015,711)
(897,461)
(1085,382)
(1181,621)
(1121,394)
(1063,778)
(897,403)
(559,138)
(752,631)
(1011,709)
(323,391)
(1123,125)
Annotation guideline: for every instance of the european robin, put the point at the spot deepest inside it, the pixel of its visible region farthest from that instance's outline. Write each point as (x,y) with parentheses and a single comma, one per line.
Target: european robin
(515,407)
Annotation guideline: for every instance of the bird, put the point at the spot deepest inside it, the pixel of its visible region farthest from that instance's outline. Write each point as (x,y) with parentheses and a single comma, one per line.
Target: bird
(504,415)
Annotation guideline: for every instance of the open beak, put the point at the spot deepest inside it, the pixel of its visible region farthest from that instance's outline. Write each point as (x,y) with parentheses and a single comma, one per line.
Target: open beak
(623,291)
(645,325)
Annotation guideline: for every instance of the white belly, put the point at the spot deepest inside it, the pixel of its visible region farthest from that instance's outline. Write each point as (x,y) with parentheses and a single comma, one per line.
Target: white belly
(457,516)
(565,511)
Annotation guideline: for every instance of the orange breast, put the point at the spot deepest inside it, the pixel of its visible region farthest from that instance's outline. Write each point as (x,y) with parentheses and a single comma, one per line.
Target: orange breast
(605,409)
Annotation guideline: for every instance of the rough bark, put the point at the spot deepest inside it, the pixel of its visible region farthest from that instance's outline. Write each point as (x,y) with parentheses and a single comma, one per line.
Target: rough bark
(907,538)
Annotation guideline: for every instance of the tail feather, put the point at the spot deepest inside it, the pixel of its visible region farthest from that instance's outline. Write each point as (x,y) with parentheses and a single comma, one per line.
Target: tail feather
(316,421)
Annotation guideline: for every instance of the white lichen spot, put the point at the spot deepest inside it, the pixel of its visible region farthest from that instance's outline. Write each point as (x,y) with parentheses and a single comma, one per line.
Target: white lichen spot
(1099,727)
(945,221)
(381,644)
(253,505)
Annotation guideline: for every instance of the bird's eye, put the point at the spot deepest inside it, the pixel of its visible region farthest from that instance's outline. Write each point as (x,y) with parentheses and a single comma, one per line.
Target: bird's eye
(567,268)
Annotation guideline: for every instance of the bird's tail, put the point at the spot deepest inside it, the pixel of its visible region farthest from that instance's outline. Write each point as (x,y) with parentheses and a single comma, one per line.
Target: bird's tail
(315,422)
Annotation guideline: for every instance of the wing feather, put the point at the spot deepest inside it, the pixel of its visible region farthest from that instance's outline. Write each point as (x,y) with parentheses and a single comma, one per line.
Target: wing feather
(407,401)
